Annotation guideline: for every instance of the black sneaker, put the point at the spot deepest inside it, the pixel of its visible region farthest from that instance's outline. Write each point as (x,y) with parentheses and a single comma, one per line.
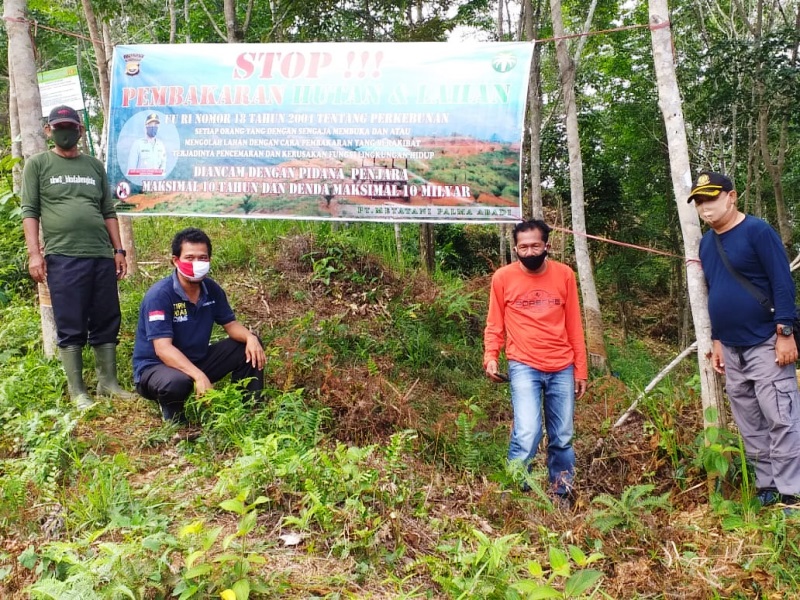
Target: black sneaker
(174,414)
(767,497)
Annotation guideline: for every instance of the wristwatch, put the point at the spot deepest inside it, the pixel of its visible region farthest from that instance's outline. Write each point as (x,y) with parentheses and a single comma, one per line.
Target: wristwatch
(122,251)
(785,330)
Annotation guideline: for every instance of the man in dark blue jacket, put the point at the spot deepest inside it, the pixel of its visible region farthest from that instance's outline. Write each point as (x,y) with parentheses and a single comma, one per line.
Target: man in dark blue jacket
(753,346)
(172,355)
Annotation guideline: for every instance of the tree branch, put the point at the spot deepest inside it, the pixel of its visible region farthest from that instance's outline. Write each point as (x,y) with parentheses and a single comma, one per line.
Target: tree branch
(583,38)
(213,23)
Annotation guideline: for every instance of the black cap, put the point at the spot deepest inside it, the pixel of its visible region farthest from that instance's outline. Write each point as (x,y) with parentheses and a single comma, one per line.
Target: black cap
(152,117)
(709,185)
(64,114)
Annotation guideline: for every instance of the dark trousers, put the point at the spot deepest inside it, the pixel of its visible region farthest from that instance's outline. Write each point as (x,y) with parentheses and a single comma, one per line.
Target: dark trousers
(171,387)
(85,299)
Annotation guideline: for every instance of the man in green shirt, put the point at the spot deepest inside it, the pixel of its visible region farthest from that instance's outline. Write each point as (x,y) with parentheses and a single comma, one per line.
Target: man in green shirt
(66,193)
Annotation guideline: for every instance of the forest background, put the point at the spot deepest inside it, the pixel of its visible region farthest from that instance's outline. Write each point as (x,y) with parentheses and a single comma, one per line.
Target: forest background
(376,468)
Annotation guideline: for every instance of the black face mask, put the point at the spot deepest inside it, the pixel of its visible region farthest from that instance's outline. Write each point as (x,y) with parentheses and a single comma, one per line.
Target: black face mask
(532,263)
(66,139)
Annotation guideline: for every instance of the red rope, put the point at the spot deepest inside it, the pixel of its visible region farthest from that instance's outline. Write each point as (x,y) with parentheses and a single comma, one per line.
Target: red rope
(37,25)
(599,31)
(626,245)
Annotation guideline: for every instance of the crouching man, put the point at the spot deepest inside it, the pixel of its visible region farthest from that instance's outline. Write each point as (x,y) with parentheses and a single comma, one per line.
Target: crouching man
(172,355)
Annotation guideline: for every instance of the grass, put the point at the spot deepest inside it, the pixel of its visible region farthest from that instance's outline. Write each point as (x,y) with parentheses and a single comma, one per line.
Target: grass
(373,468)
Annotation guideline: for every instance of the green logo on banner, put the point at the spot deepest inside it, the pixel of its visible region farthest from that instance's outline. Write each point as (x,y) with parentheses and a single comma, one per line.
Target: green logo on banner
(504,62)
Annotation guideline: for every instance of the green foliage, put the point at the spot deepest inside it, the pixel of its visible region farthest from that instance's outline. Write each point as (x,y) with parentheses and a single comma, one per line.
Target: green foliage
(13,491)
(469,450)
(632,362)
(105,498)
(324,268)
(14,277)
(663,407)
(481,567)
(455,302)
(714,448)
(561,581)
(477,566)
(211,566)
(85,568)
(627,511)
(467,250)
(19,331)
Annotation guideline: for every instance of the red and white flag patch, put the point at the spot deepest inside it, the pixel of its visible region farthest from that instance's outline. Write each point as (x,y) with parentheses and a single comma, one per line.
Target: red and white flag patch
(155,315)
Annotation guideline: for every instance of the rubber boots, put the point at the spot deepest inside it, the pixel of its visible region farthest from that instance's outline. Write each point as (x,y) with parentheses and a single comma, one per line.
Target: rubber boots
(72,360)
(105,360)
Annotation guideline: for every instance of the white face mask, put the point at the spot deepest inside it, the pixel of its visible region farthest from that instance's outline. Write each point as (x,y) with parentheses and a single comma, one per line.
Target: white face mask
(713,212)
(194,270)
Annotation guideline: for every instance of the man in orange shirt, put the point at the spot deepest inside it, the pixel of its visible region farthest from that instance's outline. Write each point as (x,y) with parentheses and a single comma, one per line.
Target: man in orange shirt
(535,313)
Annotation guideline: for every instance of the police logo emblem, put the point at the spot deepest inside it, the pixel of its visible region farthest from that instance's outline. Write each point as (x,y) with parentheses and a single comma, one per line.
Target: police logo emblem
(132,62)
(704,179)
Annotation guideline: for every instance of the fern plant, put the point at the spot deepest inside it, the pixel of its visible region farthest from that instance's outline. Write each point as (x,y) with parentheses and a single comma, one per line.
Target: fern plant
(12,499)
(470,443)
(627,511)
(396,451)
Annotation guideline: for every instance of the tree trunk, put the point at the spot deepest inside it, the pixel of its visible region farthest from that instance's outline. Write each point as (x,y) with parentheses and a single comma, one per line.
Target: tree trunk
(100,55)
(591,304)
(128,242)
(173,21)
(669,101)
(427,247)
(535,210)
(503,251)
(398,242)
(499,29)
(27,102)
(187,21)
(13,127)
(775,174)
(229,10)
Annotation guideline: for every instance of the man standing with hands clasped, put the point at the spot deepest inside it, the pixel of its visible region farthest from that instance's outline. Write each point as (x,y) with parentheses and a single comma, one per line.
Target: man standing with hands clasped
(751,303)
(535,313)
(66,193)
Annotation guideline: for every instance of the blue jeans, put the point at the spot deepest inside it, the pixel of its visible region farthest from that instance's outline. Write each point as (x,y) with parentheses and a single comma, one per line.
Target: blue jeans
(528,385)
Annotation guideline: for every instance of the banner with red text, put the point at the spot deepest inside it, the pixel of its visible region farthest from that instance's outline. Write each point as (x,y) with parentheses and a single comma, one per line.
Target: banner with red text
(354,131)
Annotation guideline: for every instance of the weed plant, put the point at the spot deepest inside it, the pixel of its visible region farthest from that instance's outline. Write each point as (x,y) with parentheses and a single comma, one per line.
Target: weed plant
(14,278)
(628,511)
(661,407)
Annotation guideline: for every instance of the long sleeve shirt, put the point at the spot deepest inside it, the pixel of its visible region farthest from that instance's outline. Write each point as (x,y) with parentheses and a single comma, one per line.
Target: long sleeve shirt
(754,250)
(537,317)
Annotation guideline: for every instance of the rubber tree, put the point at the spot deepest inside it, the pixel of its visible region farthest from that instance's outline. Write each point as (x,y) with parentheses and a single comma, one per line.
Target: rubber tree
(25,114)
(669,101)
(591,303)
